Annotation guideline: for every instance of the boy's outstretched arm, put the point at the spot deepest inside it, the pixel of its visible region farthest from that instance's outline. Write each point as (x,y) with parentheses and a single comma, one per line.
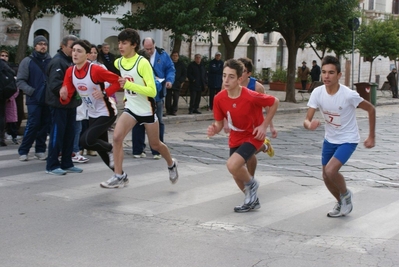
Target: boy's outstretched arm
(367,106)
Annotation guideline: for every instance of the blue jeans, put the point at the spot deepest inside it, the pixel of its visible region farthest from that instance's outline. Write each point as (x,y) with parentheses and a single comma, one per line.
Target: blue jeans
(78,130)
(138,132)
(36,130)
(62,136)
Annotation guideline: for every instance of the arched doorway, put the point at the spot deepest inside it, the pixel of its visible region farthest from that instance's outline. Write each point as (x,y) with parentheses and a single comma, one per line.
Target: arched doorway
(45,34)
(280,54)
(251,49)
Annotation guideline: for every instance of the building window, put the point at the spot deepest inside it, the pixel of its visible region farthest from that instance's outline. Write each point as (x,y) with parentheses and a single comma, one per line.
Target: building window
(395,7)
(371,4)
(75,32)
(266,38)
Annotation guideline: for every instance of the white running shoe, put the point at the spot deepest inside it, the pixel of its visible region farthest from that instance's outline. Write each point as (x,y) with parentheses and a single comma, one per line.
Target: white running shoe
(142,155)
(79,158)
(173,174)
(346,203)
(115,182)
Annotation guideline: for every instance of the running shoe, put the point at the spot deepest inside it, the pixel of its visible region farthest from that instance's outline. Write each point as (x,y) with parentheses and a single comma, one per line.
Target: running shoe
(142,155)
(173,174)
(157,156)
(23,158)
(346,203)
(73,169)
(336,211)
(57,171)
(268,147)
(115,182)
(79,158)
(246,207)
(40,156)
(250,192)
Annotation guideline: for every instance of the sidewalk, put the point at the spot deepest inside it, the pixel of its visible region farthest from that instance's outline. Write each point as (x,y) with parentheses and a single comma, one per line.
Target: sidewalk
(284,107)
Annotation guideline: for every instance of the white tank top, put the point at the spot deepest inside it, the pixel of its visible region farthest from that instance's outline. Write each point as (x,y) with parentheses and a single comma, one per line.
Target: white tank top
(96,107)
(138,104)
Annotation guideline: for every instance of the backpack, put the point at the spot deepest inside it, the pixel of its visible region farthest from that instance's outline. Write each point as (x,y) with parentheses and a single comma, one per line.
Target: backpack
(8,86)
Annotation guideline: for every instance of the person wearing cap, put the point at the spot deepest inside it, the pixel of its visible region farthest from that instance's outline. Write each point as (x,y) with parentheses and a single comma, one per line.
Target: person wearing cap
(215,75)
(303,73)
(31,79)
(393,82)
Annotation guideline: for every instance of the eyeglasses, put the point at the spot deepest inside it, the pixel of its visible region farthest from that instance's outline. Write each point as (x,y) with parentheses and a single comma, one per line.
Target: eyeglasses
(3,55)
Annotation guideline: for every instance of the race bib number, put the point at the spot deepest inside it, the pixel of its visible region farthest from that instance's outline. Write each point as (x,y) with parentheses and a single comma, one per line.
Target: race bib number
(334,119)
(88,102)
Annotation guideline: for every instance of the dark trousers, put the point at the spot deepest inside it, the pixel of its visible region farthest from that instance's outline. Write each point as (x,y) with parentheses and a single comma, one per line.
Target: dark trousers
(195,99)
(12,129)
(394,91)
(172,100)
(304,82)
(36,130)
(62,135)
(138,132)
(212,93)
(96,136)
(2,118)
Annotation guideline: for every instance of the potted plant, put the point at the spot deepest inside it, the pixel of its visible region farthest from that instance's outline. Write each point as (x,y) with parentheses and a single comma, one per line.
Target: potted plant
(279,80)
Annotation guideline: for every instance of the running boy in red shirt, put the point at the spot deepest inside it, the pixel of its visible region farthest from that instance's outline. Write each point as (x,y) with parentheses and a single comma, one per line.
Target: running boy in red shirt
(243,109)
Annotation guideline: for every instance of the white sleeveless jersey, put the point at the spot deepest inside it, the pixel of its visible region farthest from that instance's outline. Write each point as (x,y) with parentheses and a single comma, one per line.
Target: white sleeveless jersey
(96,107)
(138,104)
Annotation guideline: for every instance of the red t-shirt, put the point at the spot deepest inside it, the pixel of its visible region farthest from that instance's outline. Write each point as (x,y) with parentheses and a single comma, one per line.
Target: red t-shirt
(243,114)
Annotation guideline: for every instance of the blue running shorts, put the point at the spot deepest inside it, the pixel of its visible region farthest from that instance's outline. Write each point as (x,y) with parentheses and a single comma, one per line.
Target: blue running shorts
(342,152)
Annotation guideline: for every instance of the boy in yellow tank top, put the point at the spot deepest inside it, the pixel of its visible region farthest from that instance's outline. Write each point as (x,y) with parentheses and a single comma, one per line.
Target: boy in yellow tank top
(138,83)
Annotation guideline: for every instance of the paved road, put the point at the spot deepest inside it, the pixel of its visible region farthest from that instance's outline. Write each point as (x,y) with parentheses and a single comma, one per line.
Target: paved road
(70,221)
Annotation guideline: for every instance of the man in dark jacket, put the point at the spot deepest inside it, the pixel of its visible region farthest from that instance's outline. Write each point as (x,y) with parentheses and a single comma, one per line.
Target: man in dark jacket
(31,79)
(63,117)
(215,77)
(315,72)
(196,74)
(172,97)
(108,58)
(393,82)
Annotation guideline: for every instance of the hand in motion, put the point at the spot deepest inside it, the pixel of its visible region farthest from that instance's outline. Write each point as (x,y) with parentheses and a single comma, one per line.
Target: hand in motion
(314,124)
(260,133)
(122,81)
(97,94)
(63,93)
(369,142)
(211,130)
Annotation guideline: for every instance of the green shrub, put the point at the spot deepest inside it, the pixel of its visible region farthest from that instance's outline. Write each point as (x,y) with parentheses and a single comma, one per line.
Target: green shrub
(279,75)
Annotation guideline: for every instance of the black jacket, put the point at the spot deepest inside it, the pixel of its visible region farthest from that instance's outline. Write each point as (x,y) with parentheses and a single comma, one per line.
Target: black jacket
(180,74)
(55,77)
(109,64)
(315,73)
(215,74)
(196,74)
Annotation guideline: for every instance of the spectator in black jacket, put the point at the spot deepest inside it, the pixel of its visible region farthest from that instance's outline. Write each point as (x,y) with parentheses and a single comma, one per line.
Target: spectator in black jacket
(215,77)
(63,117)
(315,72)
(172,97)
(196,75)
(108,58)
